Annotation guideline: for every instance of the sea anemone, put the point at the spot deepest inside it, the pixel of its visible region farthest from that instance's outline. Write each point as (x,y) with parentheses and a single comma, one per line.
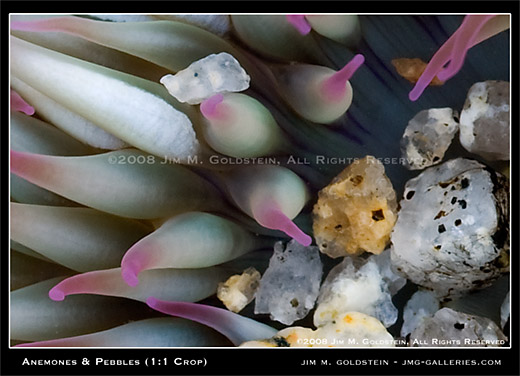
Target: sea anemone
(129,206)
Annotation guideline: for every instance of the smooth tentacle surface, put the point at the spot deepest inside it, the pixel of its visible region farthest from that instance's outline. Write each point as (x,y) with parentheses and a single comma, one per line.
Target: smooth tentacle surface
(123,105)
(159,332)
(190,240)
(19,104)
(272,195)
(273,36)
(300,23)
(240,126)
(68,121)
(190,285)
(128,183)
(318,93)
(30,134)
(236,328)
(27,270)
(81,239)
(35,317)
(173,45)
(156,234)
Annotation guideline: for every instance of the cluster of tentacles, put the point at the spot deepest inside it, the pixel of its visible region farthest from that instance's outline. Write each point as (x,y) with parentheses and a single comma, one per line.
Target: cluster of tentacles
(129,207)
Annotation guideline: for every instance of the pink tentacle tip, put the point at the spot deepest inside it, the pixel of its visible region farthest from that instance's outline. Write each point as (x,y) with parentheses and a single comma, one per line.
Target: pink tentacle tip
(20,105)
(152,302)
(416,92)
(209,107)
(129,272)
(448,60)
(300,23)
(336,85)
(465,36)
(275,219)
(56,294)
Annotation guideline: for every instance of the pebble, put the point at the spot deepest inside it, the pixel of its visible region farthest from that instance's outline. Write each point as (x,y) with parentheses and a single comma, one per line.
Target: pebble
(422,304)
(427,137)
(452,234)
(290,285)
(484,121)
(355,285)
(352,329)
(449,328)
(216,73)
(239,290)
(356,211)
(394,281)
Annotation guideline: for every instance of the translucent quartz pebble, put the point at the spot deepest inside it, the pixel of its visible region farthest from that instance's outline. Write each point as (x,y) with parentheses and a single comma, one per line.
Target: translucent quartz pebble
(290,285)
(352,329)
(394,281)
(427,137)
(355,286)
(356,211)
(239,290)
(449,328)
(484,121)
(422,304)
(505,310)
(216,73)
(452,234)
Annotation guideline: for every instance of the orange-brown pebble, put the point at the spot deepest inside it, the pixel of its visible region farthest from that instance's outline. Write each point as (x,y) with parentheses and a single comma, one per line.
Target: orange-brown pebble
(356,211)
(412,69)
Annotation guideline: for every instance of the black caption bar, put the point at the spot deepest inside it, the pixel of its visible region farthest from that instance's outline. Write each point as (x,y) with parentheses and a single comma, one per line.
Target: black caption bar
(259,361)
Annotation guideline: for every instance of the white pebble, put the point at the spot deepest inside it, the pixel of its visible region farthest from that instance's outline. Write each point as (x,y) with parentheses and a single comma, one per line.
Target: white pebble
(452,232)
(427,137)
(216,73)
(290,285)
(484,121)
(360,288)
(422,304)
(449,328)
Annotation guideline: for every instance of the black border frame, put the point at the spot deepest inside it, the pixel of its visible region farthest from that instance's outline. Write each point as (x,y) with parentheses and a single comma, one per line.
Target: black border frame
(255,361)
